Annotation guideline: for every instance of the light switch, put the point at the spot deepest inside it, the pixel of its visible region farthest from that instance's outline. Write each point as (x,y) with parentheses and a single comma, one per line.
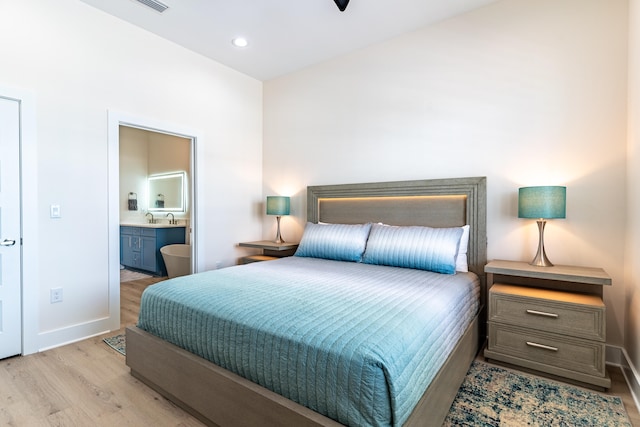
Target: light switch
(55,211)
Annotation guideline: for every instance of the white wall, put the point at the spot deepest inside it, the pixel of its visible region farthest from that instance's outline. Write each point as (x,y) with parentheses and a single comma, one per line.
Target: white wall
(134,169)
(632,331)
(525,92)
(80,62)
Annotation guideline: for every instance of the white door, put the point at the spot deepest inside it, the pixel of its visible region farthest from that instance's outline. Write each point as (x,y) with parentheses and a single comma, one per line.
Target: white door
(10,253)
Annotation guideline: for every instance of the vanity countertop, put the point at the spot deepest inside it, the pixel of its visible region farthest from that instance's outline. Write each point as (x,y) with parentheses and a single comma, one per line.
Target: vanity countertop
(147,225)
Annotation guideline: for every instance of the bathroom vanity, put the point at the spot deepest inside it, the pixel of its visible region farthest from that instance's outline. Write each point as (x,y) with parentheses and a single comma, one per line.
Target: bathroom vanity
(140,245)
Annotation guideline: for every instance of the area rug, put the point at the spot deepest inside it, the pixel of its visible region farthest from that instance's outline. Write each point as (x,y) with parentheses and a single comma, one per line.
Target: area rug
(117,343)
(493,396)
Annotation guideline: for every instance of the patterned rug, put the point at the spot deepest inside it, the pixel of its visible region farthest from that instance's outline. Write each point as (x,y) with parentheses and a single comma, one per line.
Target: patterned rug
(117,343)
(493,396)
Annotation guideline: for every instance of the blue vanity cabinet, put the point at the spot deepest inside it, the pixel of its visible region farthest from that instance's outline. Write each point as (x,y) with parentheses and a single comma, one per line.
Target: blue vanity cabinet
(130,246)
(140,247)
(148,250)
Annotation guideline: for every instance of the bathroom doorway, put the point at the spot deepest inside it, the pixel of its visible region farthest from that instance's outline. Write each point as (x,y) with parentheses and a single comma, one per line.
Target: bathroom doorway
(155,183)
(150,149)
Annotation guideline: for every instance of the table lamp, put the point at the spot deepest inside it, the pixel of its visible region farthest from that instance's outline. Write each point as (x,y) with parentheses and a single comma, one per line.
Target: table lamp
(278,205)
(542,203)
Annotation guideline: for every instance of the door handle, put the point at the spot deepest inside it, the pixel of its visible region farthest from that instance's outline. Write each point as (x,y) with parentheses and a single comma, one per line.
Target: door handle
(7,242)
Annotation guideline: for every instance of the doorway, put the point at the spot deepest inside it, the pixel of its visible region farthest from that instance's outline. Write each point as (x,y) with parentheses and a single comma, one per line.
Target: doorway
(119,198)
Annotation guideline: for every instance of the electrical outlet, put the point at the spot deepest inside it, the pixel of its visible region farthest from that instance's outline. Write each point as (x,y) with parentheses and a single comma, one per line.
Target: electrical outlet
(54,211)
(56,295)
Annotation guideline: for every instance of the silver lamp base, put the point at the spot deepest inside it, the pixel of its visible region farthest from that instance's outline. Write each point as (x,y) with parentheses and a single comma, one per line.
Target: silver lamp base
(279,238)
(541,259)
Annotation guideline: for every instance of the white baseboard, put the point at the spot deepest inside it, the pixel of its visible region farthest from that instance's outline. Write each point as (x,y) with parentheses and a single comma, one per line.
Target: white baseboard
(618,356)
(70,334)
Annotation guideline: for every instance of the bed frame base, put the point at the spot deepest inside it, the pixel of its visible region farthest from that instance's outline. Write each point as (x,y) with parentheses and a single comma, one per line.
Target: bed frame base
(215,396)
(218,397)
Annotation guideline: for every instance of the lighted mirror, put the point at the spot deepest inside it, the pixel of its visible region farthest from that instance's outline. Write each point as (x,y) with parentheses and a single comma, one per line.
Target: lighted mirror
(166,192)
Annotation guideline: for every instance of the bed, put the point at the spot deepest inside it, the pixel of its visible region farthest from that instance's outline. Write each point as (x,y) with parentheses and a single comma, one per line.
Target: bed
(218,396)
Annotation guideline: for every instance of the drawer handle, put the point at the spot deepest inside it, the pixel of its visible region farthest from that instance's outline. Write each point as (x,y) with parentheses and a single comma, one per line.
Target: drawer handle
(542,313)
(542,346)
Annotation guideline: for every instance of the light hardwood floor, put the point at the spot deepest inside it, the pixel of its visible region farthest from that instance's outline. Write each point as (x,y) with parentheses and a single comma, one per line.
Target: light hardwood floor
(84,384)
(88,384)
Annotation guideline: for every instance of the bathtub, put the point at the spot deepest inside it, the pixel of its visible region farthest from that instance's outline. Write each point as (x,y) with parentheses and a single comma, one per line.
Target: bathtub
(177,259)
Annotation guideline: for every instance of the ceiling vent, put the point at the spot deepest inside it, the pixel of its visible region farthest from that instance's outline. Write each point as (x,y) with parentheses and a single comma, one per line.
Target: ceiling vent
(154,4)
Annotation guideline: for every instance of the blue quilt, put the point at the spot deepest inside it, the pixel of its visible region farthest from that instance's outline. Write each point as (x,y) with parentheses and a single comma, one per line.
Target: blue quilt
(355,342)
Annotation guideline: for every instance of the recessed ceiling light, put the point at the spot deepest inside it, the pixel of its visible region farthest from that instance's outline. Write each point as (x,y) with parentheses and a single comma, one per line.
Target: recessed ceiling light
(240,42)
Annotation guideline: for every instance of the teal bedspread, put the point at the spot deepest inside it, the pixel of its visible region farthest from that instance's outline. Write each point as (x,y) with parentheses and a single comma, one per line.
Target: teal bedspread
(358,343)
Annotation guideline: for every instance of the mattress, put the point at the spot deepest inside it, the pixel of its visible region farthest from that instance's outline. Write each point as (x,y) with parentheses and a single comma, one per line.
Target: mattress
(355,342)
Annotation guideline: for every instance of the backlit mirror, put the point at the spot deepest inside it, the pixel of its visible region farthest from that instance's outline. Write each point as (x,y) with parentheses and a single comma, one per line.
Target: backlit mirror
(166,192)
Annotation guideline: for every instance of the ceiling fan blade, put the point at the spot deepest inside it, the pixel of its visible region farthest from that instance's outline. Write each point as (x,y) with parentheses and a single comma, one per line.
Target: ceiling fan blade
(342,4)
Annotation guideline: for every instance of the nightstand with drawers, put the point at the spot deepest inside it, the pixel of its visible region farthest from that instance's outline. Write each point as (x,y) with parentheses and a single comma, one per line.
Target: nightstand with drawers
(270,250)
(548,319)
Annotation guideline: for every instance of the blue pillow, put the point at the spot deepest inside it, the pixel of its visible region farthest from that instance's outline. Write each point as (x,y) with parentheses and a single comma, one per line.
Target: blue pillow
(423,248)
(340,242)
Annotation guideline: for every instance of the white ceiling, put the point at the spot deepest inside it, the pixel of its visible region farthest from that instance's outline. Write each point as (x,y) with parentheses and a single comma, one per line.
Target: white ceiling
(284,35)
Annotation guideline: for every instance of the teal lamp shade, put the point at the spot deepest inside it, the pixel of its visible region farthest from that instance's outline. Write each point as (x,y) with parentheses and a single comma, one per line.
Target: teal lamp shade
(278,205)
(542,203)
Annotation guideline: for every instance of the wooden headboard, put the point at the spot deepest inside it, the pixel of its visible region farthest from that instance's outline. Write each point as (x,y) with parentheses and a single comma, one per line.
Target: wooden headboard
(434,203)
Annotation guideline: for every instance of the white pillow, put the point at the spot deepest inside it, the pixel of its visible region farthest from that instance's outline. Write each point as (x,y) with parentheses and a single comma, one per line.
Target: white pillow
(461,259)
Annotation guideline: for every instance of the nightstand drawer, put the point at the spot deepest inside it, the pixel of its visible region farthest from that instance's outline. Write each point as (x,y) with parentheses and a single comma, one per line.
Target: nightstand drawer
(577,315)
(549,350)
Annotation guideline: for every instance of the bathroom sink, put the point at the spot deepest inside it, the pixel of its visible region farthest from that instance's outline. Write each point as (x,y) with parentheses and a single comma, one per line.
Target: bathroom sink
(147,225)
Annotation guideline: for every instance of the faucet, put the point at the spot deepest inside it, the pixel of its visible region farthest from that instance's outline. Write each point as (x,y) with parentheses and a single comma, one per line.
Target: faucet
(173,218)
(151,221)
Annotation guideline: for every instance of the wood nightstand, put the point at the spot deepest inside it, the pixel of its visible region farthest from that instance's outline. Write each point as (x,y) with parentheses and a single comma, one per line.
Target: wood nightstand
(548,319)
(270,250)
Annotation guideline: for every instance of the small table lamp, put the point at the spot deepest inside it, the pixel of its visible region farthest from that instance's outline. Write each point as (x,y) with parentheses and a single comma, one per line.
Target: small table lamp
(542,203)
(278,205)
